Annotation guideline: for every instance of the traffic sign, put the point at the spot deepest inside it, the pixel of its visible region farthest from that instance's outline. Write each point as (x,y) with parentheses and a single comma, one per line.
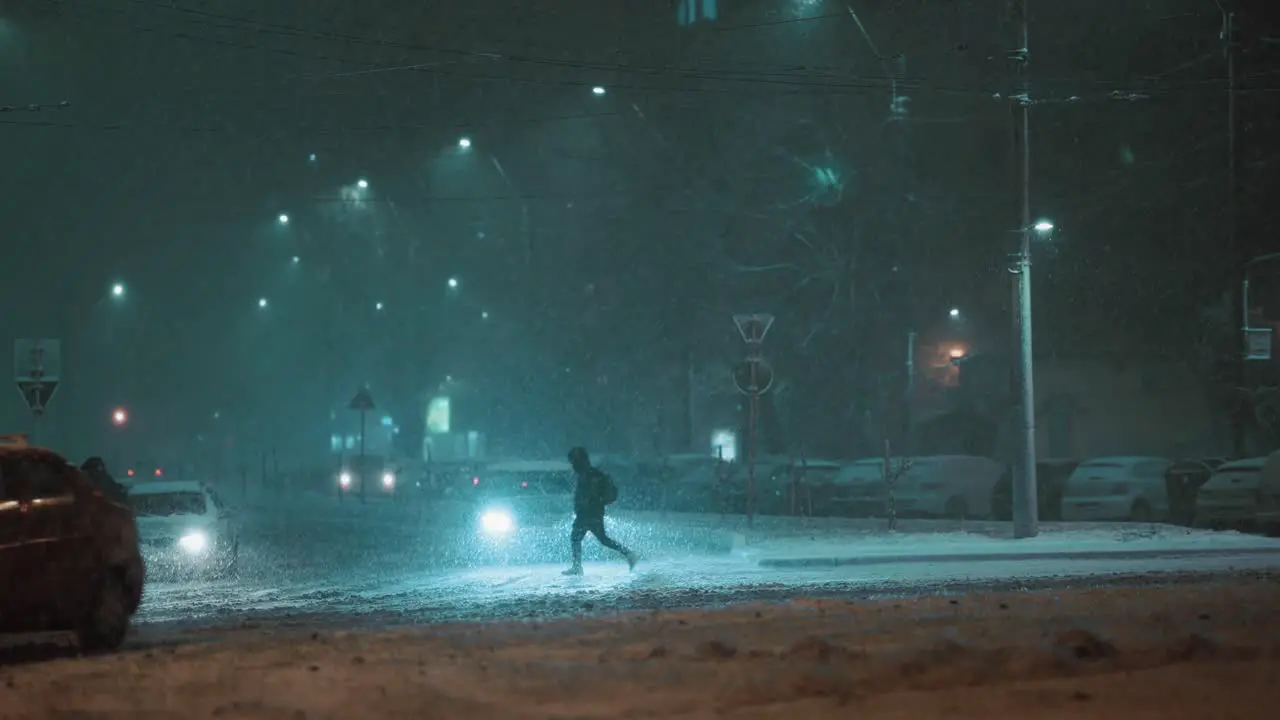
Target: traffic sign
(742,376)
(37,359)
(37,394)
(363,401)
(753,326)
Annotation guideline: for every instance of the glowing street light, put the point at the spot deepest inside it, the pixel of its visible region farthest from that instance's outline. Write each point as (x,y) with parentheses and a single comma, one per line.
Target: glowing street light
(954,313)
(362,184)
(283,219)
(262,302)
(377,306)
(464,142)
(117,290)
(484,315)
(295,260)
(1043,226)
(119,417)
(453,283)
(598,90)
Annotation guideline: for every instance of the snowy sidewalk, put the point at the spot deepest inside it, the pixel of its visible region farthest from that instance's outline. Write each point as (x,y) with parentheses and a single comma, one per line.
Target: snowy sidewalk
(1056,542)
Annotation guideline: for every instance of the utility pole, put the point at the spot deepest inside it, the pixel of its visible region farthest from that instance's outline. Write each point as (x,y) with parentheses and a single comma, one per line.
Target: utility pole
(1237,255)
(1025,510)
(909,389)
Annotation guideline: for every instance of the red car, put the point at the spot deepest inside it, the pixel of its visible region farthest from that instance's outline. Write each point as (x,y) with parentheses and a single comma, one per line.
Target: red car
(69,554)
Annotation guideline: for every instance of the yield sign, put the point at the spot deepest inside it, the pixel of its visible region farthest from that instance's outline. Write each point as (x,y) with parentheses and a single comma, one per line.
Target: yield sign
(363,401)
(753,326)
(37,394)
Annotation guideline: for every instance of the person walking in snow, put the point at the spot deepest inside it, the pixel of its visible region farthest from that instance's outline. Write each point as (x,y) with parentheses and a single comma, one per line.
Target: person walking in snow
(594,491)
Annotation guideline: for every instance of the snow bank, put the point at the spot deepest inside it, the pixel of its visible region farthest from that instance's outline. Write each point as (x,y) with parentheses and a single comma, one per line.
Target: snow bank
(1059,541)
(1169,652)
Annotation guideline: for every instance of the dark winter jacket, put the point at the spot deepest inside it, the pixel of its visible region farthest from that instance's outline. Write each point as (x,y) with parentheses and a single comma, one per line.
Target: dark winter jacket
(589,493)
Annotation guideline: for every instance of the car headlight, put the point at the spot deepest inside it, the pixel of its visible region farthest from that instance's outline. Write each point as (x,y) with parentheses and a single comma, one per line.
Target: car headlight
(388,480)
(194,542)
(497,522)
(344,479)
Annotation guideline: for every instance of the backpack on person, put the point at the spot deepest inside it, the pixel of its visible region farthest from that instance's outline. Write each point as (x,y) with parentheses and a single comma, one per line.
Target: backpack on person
(608,489)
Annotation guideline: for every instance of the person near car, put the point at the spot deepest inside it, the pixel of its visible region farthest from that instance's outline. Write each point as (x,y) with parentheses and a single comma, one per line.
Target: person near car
(594,491)
(97,472)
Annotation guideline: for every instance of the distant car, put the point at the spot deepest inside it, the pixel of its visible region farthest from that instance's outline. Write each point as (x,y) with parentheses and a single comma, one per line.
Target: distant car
(1118,488)
(367,476)
(946,486)
(183,527)
(1230,498)
(69,554)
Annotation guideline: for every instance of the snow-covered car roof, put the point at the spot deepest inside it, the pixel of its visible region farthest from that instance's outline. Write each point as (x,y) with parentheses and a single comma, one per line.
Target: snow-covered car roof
(164,487)
(518,466)
(1256,463)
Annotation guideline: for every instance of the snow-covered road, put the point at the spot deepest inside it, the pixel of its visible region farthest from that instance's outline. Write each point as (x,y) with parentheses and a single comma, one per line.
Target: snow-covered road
(386,565)
(388,596)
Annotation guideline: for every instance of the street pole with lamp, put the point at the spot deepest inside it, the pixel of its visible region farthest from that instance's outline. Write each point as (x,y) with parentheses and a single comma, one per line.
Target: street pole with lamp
(1025,511)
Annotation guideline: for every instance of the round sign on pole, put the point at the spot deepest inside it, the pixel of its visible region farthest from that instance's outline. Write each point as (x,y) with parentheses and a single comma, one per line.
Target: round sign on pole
(742,376)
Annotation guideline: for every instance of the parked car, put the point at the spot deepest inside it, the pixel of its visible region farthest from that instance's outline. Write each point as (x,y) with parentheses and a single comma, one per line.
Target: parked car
(951,486)
(69,555)
(1118,488)
(858,490)
(1230,497)
(1182,484)
(184,527)
(1268,516)
(796,487)
(1051,479)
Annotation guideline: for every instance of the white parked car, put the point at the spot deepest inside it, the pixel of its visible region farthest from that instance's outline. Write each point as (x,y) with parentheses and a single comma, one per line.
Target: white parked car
(951,486)
(184,527)
(1118,488)
(1230,498)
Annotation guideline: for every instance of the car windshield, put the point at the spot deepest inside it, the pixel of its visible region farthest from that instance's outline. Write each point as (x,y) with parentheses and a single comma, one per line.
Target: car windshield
(174,503)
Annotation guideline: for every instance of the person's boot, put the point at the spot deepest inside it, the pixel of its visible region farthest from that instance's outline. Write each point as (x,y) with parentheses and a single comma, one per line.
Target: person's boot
(576,569)
(632,559)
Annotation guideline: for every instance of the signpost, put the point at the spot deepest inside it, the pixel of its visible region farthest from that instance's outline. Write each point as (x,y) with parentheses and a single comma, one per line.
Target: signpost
(37,370)
(753,377)
(363,404)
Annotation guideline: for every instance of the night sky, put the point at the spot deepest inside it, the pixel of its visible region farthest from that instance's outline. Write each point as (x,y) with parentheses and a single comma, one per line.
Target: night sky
(598,240)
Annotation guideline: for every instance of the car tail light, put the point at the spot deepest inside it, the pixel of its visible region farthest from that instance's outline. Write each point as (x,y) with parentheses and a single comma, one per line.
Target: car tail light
(129,472)
(475,481)
(159,472)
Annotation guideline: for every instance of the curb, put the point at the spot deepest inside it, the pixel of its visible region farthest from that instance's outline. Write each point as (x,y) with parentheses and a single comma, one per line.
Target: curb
(1007,557)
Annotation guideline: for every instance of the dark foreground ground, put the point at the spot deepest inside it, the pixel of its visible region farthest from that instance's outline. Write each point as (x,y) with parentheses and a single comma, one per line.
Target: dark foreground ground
(1183,647)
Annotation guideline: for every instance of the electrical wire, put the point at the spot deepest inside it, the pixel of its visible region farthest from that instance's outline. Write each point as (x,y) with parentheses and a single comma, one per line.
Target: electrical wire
(836,79)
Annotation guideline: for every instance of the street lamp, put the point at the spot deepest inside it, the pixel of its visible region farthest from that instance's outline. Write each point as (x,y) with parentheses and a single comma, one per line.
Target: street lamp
(1025,505)
(119,417)
(598,90)
(283,219)
(262,302)
(464,142)
(377,306)
(453,283)
(954,313)
(295,260)
(484,315)
(117,290)
(362,184)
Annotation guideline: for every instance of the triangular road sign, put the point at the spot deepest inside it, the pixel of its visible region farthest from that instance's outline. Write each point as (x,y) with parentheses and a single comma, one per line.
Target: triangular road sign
(37,393)
(363,401)
(753,326)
